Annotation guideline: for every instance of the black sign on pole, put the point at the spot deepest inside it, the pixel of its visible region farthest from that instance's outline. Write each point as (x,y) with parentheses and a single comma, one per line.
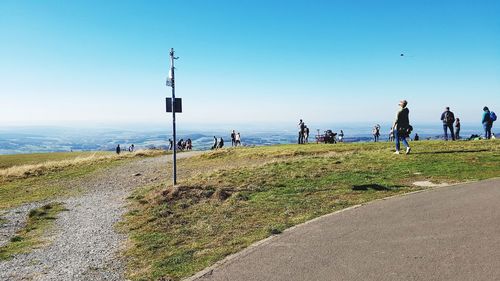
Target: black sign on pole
(177,105)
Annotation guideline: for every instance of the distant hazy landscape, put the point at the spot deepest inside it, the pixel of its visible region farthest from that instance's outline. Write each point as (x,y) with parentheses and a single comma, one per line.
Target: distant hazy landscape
(30,139)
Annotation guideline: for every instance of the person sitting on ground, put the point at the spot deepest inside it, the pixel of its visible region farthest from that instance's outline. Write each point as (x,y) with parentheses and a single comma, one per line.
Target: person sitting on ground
(416,138)
(457,128)
(448,119)
(402,127)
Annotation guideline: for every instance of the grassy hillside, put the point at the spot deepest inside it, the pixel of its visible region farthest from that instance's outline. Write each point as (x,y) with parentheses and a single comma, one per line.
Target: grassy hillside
(42,176)
(10,160)
(231,198)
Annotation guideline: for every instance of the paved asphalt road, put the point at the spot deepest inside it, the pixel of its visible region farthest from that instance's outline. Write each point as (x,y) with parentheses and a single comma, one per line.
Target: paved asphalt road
(450,233)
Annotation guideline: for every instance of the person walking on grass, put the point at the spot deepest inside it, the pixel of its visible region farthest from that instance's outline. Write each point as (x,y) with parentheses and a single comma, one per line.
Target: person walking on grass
(448,119)
(457,128)
(401,127)
(487,120)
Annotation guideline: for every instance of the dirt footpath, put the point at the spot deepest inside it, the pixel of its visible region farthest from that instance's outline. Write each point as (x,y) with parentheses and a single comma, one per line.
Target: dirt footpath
(84,243)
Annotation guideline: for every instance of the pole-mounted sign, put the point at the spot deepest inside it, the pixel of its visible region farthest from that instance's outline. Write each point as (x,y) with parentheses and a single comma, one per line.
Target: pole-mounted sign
(173,105)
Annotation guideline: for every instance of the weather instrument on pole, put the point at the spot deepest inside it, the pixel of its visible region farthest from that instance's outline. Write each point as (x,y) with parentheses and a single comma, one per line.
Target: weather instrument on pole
(173,105)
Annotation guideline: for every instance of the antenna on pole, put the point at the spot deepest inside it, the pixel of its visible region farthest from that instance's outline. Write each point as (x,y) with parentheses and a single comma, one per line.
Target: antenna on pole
(173,105)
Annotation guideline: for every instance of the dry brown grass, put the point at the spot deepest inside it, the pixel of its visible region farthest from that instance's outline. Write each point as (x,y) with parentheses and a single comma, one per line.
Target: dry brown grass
(30,170)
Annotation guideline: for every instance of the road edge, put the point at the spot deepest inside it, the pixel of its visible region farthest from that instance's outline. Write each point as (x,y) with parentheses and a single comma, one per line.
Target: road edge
(248,250)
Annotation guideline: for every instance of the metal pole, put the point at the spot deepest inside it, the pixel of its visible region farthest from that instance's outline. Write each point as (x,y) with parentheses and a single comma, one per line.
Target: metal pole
(172,68)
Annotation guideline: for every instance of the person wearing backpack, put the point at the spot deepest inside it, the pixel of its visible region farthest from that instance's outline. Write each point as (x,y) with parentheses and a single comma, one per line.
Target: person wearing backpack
(448,119)
(401,127)
(488,119)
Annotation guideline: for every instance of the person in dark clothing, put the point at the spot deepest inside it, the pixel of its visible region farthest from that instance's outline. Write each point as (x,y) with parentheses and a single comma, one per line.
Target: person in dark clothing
(233,138)
(189,144)
(180,144)
(118,149)
(457,128)
(401,127)
(170,144)
(487,122)
(214,145)
(302,127)
(417,137)
(448,119)
(376,133)
(221,143)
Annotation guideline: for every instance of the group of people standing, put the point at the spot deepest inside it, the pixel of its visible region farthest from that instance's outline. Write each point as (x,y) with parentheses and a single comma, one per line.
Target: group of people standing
(303,133)
(218,143)
(450,122)
(402,127)
(449,119)
(181,144)
(235,138)
(118,149)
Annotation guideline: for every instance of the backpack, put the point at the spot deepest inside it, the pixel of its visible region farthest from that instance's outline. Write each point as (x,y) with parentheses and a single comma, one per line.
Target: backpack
(448,117)
(405,132)
(493,116)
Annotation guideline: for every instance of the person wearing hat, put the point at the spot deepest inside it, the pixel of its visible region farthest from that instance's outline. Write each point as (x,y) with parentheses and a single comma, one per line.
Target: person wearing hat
(448,119)
(401,127)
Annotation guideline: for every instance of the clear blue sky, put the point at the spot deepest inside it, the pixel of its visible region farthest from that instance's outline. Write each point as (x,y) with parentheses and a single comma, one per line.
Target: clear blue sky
(248,61)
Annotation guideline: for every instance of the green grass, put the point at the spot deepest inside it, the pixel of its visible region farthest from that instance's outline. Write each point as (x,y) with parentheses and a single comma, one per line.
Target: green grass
(55,178)
(39,221)
(231,198)
(7,161)
(17,192)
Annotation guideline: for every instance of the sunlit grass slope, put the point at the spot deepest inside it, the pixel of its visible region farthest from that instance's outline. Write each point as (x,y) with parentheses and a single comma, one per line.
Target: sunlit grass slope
(231,198)
(38,177)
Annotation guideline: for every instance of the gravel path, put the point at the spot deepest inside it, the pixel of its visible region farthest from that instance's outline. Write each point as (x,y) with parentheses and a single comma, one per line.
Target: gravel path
(15,219)
(84,244)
